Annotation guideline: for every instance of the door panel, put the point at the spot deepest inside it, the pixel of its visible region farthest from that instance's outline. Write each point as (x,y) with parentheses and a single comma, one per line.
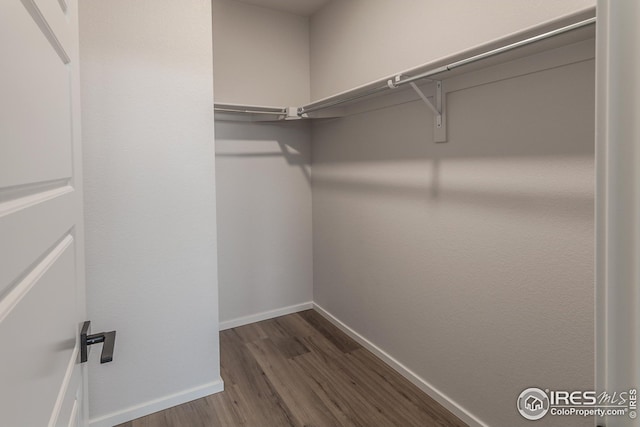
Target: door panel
(42,290)
(47,216)
(36,122)
(54,14)
(37,332)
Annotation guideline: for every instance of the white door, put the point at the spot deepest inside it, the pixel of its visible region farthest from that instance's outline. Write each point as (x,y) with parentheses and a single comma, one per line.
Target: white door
(42,290)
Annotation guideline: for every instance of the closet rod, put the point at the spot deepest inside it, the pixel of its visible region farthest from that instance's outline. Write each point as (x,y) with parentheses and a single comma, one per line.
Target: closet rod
(399,81)
(219,108)
(496,51)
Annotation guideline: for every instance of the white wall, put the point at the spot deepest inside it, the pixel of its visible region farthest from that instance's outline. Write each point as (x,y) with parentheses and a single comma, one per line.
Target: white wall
(470,262)
(261,56)
(357,41)
(264,219)
(150,202)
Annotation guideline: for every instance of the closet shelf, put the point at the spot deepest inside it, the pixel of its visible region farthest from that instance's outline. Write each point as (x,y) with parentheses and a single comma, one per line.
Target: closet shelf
(528,42)
(551,35)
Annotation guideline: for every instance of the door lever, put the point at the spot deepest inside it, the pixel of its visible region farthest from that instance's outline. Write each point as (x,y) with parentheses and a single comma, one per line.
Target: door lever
(107,338)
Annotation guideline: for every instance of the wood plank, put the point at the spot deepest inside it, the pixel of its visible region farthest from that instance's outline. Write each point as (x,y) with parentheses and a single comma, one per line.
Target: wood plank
(405,388)
(303,402)
(295,326)
(297,371)
(273,329)
(330,332)
(386,375)
(248,388)
(290,347)
(359,409)
(248,333)
(225,408)
(366,382)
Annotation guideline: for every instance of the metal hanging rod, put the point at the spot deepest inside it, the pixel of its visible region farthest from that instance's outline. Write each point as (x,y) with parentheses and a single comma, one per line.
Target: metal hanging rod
(401,81)
(242,109)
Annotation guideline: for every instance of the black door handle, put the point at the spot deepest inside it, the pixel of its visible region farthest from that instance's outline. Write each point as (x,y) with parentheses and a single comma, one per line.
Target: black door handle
(107,338)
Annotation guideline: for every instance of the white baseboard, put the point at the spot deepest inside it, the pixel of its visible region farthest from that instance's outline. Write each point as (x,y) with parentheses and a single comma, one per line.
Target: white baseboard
(156,405)
(423,385)
(241,321)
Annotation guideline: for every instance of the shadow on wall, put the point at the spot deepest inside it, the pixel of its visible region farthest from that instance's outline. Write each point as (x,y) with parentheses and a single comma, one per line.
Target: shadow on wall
(390,153)
(289,137)
(555,201)
(511,147)
(263,188)
(517,117)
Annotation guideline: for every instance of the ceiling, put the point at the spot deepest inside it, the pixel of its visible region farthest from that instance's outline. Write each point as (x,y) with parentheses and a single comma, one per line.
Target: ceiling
(297,7)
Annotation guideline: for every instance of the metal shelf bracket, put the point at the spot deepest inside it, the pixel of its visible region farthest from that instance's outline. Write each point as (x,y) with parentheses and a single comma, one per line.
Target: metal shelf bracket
(438,109)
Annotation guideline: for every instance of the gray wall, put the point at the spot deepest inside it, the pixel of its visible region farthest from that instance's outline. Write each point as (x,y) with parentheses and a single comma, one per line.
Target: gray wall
(357,41)
(261,56)
(470,262)
(146,71)
(264,218)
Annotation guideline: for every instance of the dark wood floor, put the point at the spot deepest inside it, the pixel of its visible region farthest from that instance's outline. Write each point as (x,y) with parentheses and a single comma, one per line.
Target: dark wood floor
(300,370)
